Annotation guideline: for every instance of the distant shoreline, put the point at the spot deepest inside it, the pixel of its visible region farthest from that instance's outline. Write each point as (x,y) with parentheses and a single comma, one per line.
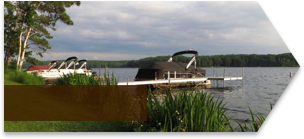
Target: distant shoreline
(231,60)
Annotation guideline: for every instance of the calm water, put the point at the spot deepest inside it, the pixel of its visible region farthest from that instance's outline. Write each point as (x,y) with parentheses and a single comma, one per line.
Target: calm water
(262,86)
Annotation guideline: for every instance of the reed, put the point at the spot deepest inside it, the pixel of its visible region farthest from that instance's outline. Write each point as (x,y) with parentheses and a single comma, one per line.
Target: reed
(255,123)
(79,79)
(185,112)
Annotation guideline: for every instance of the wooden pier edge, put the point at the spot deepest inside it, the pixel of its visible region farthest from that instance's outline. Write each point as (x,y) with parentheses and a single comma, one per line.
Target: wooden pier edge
(178,80)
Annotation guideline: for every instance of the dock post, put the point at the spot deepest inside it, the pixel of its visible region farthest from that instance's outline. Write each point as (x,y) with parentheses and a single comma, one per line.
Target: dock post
(155,75)
(213,72)
(224,78)
(168,75)
(128,82)
(99,71)
(174,74)
(106,68)
(243,76)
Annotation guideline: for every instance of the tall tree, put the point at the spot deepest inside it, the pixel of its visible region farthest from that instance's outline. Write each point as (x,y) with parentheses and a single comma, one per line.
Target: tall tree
(10,31)
(34,20)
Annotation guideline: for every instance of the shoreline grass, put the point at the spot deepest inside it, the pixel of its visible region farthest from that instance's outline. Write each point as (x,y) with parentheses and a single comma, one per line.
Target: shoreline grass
(65,126)
(13,77)
(185,112)
(79,79)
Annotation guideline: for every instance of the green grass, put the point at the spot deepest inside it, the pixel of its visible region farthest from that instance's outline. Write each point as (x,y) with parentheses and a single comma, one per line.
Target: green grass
(9,81)
(65,126)
(13,77)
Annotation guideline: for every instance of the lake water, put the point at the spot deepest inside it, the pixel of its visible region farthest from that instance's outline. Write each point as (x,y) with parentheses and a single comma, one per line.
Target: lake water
(262,86)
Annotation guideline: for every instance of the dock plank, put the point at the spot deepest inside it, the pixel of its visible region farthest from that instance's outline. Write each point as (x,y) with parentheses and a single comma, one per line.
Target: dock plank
(178,80)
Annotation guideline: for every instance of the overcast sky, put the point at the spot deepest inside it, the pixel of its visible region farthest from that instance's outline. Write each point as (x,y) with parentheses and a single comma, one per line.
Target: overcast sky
(134,30)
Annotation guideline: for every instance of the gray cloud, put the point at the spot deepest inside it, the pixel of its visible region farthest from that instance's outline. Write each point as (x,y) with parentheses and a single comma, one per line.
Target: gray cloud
(161,28)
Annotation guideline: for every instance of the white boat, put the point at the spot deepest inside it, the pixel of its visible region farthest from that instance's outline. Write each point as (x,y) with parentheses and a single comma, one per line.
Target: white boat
(51,71)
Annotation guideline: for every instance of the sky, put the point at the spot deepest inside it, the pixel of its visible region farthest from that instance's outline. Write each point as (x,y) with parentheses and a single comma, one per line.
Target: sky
(135,30)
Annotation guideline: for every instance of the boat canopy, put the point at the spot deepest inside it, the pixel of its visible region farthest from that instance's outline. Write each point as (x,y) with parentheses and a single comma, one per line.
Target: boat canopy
(83,60)
(84,63)
(52,62)
(186,52)
(74,58)
(64,63)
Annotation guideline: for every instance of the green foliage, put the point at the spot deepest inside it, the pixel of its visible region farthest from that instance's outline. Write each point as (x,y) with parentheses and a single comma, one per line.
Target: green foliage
(80,79)
(191,112)
(256,121)
(66,126)
(185,112)
(23,77)
(13,64)
(10,32)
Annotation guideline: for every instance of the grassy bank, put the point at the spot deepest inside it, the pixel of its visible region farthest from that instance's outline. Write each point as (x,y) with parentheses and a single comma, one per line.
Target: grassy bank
(65,126)
(13,77)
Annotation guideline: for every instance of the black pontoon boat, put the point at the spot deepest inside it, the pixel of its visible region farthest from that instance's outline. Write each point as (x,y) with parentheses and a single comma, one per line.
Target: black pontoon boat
(169,69)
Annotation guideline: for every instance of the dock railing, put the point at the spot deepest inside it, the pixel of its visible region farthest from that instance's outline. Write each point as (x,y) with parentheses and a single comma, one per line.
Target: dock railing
(180,75)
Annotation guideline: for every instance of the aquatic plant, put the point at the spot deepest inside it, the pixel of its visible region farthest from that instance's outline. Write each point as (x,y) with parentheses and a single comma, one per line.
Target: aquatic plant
(255,123)
(185,112)
(81,79)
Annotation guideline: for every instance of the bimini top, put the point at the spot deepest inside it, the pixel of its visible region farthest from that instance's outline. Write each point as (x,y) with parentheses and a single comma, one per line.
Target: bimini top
(64,65)
(74,58)
(83,60)
(186,52)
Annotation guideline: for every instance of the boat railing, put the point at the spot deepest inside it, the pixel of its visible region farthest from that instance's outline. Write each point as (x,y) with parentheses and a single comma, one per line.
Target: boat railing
(175,74)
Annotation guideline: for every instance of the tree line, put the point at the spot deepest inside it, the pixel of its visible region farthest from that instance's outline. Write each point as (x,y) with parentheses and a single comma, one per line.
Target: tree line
(239,60)
(231,60)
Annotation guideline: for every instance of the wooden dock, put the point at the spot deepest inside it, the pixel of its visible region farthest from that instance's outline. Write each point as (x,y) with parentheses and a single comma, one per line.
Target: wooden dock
(179,80)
